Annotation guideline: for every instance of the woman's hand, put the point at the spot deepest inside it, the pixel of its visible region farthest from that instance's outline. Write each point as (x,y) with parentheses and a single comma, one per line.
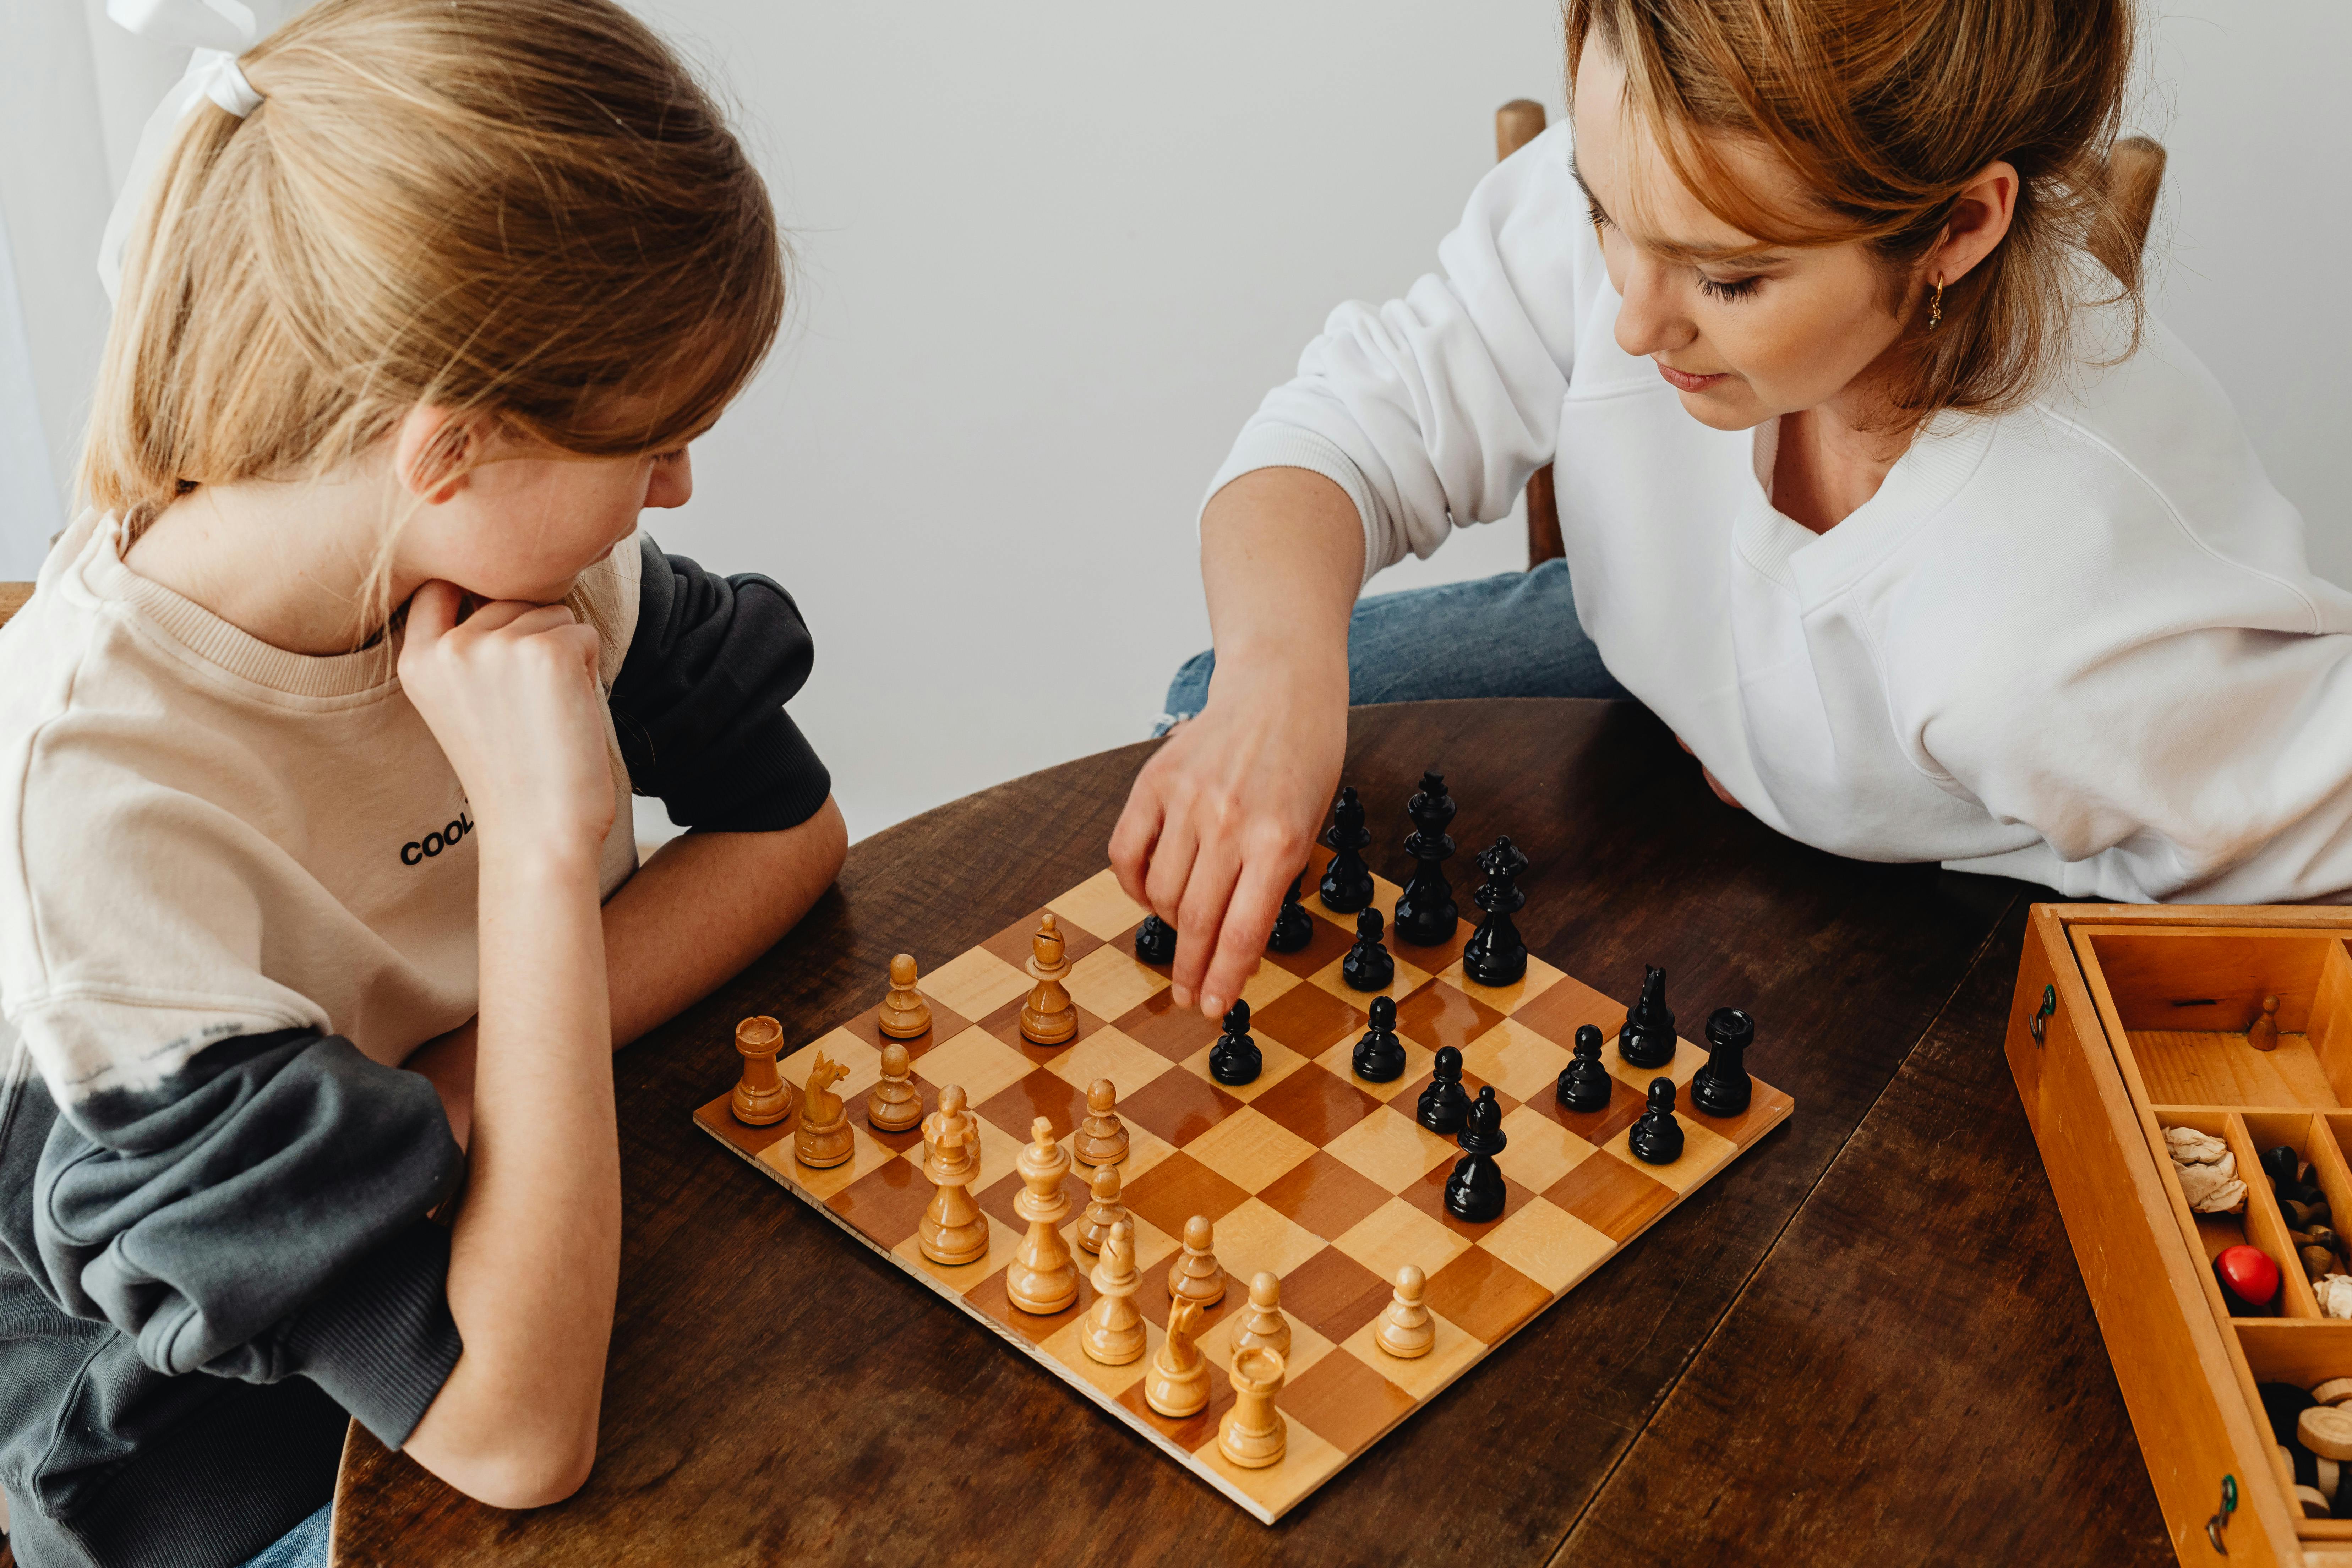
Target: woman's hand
(510,692)
(1224,815)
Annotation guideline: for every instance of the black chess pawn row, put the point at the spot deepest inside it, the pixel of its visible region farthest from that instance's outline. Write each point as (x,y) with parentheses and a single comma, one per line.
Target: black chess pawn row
(1426,914)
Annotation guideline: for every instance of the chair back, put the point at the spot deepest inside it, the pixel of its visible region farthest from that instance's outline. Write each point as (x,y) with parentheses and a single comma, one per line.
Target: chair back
(11,599)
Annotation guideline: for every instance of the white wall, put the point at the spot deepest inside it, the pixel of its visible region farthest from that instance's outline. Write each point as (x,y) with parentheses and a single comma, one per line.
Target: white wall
(1052,254)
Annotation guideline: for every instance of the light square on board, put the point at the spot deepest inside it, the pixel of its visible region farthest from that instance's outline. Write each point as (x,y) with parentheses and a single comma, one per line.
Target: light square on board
(975,983)
(1397,1234)
(1254,1238)
(865,1155)
(984,1064)
(1540,978)
(1063,1345)
(1345,1401)
(863,1061)
(1099,906)
(1541,1151)
(1107,983)
(1109,1053)
(1686,1060)
(965,1277)
(1407,980)
(1267,985)
(1339,1061)
(1306,1345)
(1307,1462)
(946,1025)
(1248,1149)
(1391,1149)
(1516,1060)
(1278,1062)
(1548,1245)
(1440,1014)
(1145,1149)
(1705,1153)
(1454,1349)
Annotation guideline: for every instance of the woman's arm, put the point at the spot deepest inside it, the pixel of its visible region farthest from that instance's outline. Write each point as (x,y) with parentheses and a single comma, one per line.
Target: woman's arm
(701,907)
(1224,815)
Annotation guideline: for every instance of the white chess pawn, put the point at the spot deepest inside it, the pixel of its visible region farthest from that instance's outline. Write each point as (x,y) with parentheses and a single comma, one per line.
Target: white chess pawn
(1196,1275)
(1263,1324)
(1405,1329)
(1103,1211)
(1114,1331)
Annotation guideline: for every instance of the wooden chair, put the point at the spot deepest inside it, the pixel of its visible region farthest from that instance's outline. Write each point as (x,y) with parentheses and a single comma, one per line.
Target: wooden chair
(11,599)
(2119,238)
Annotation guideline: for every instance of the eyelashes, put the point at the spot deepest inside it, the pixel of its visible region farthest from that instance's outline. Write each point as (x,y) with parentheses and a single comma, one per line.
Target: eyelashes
(1729,289)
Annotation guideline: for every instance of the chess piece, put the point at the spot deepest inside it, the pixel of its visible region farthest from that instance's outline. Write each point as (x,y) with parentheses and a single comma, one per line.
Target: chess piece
(762,1098)
(1647,1040)
(823,1139)
(1584,1084)
(1155,940)
(1042,1278)
(1367,966)
(1346,884)
(1263,1324)
(1101,1137)
(1293,928)
(1444,1103)
(2263,1033)
(1178,1384)
(1114,1331)
(1425,911)
(1722,1086)
(1657,1138)
(1380,1055)
(1235,1058)
(1496,954)
(952,1229)
(1253,1434)
(906,1014)
(1475,1191)
(1104,1209)
(1048,1017)
(1196,1276)
(1405,1330)
(895,1103)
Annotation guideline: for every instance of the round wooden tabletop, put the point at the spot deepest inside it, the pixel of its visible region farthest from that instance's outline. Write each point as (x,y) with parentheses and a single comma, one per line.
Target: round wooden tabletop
(1865,1341)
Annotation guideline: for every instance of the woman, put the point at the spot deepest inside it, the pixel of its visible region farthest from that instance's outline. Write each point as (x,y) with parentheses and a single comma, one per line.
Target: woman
(1874,484)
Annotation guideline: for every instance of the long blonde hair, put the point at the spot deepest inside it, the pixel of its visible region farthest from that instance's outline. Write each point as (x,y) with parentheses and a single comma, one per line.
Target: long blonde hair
(1885,110)
(516,209)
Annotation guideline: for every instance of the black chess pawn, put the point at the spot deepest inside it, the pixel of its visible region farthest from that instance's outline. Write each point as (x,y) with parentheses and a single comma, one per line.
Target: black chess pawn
(1722,1088)
(1235,1058)
(1155,940)
(1380,1055)
(1584,1084)
(1442,1104)
(1647,1040)
(1425,913)
(1367,966)
(1346,884)
(1475,1191)
(1293,928)
(1657,1137)
(1495,955)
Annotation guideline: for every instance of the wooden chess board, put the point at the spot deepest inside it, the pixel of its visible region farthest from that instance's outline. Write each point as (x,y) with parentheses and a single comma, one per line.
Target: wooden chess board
(1309,1171)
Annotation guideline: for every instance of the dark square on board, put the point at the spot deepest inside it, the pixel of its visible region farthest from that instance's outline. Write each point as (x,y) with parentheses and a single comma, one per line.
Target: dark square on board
(1316,1103)
(887,1203)
(1484,1296)
(1331,942)
(1040,1093)
(1428,1195)
(1178,1106)
(1611,1196)
(1438,1014)
(1176,1189)
(1344,1402)
(1334,1294)
(1323,1196)
(1175,1032)
(1308,1019)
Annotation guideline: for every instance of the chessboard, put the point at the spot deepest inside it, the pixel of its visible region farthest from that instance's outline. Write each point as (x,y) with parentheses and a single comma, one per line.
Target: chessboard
(1309,1171)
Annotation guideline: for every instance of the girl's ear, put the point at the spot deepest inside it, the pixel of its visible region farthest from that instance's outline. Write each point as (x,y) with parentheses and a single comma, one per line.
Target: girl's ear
(1979,220)
(433,451)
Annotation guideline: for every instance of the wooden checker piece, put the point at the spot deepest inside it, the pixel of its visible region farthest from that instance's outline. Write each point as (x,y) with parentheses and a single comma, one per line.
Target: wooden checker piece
(1308,1174)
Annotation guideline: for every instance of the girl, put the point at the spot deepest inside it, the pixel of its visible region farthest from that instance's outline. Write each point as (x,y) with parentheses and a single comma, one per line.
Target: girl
(1875,484)
(425,317)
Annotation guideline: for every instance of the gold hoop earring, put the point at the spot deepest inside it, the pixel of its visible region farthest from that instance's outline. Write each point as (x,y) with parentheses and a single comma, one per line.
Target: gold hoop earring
(1935,307)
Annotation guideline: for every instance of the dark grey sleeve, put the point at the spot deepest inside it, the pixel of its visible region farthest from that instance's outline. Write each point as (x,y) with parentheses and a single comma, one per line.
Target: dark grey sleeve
(699,704)
(261,1214)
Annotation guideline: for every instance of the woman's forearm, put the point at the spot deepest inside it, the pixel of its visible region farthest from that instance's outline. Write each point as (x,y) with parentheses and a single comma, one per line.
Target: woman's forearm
(1282,554)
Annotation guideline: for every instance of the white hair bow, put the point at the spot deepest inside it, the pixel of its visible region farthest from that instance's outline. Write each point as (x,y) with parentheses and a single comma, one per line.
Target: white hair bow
(219,31)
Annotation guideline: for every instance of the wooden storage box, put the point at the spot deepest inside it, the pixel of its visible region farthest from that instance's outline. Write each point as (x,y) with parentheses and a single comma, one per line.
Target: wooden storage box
(2129,1020)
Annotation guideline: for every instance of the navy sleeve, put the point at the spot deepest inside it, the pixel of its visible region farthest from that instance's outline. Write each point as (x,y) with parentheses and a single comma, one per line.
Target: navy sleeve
(261,1214)
(699,704)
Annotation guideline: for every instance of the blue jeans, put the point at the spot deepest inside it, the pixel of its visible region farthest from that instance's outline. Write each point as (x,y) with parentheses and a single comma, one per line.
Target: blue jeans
(1512,636)
(304,1546)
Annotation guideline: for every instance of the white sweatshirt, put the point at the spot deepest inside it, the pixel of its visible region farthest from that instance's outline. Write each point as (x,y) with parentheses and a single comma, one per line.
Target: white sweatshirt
(2079,644)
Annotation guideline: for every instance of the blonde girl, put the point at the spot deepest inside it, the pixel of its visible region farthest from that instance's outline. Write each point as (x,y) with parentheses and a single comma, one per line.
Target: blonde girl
(1875,484)
(319,901)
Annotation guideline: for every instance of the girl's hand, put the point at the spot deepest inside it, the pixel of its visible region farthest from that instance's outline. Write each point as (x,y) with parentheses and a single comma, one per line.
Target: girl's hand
(510,692)
(1226,814)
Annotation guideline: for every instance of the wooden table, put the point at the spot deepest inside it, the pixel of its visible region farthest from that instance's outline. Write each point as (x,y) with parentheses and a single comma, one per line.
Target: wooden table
(1866,1341)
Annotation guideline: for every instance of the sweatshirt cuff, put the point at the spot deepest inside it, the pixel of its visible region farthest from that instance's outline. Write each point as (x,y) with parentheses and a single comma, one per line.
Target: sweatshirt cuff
(381,1340)
(1289,447)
